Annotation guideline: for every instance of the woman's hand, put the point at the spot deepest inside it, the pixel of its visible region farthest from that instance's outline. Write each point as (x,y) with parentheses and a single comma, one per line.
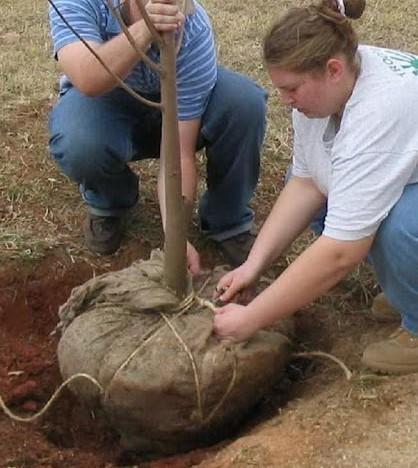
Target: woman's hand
(234,323)
(165,15)
(234,286)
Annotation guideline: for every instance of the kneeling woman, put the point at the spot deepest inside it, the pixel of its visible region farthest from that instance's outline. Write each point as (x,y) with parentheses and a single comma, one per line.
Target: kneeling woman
(355,114)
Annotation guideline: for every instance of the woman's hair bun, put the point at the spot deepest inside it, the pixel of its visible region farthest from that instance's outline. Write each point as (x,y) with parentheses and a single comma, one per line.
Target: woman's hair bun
(354,8)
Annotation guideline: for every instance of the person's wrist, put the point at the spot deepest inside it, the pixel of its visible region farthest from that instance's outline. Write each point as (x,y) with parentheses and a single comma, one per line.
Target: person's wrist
(254,267)
(254,318)
(142,34)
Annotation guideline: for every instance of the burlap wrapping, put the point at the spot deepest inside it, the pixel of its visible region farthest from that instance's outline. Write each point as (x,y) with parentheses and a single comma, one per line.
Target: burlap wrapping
(169,383)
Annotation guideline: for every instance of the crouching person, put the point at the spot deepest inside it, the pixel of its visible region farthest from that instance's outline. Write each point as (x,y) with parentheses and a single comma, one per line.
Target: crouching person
(97,128)
(355,110)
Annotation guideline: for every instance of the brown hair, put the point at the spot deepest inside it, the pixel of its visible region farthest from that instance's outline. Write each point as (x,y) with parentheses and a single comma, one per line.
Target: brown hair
(304,39)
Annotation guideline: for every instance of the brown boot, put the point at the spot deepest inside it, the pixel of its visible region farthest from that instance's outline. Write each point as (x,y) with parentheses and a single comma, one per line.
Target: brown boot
(383,311)
(236,249)
(396,355)
(103,234)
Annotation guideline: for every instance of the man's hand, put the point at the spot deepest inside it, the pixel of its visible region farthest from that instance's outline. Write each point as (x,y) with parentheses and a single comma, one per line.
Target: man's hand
(234,323)
(234,286)
(165,15)
(85,71)
(193,260)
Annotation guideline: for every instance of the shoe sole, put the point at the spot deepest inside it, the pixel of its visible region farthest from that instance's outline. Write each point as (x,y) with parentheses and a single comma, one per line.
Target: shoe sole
(397,369)
(385,318)
(101,251)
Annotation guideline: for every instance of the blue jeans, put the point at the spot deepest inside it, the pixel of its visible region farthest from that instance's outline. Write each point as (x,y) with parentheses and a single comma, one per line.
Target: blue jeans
(394,255)
(94,138)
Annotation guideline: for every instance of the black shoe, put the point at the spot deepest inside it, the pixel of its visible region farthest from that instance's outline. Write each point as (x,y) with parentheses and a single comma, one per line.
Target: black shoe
(236,249)
(103,234)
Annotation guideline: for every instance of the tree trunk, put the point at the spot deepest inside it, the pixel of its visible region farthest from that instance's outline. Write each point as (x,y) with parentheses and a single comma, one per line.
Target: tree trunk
(175,267)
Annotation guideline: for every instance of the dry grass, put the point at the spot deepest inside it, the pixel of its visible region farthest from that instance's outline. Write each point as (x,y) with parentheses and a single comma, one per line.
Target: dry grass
(41,209)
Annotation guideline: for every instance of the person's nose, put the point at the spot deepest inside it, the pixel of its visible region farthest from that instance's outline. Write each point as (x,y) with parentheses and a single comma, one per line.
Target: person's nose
(287,98)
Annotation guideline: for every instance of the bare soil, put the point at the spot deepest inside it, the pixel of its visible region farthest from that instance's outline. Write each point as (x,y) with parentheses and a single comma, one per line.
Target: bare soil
(312,418)
(68,435)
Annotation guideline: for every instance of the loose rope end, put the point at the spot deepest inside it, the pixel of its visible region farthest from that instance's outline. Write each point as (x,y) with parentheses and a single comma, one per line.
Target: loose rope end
(56,394)
(308,354)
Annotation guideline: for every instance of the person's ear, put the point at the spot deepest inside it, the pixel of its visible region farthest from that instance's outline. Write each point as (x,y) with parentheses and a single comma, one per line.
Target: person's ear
(335,69)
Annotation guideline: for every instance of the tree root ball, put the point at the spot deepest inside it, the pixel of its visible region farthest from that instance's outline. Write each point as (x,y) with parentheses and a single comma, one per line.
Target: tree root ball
(168,383)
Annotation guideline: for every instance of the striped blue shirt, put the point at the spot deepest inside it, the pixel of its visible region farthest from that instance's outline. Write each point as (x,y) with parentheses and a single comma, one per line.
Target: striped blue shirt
(196,62)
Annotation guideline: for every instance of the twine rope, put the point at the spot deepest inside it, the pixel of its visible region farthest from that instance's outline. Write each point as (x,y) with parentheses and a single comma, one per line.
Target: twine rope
(181,309)
(193,363)
(55,395)
(307,354)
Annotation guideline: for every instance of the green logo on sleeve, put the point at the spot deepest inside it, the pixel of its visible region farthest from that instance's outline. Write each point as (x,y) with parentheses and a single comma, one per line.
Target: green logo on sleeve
(401,63)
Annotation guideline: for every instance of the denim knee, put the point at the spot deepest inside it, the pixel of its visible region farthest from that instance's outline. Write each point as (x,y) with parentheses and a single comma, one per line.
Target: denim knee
(251,106)
(395,236)
(394,255)
(81,154)
(249,110)
(237,107)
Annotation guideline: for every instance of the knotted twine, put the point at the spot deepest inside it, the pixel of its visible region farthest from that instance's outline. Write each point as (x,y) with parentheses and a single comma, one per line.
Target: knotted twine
(82,299)
(182,308)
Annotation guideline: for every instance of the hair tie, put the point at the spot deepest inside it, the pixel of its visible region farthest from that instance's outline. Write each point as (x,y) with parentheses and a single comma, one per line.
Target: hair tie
(340,6)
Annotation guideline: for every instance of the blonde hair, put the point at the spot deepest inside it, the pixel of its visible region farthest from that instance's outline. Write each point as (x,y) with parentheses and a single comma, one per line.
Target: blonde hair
(304,39)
